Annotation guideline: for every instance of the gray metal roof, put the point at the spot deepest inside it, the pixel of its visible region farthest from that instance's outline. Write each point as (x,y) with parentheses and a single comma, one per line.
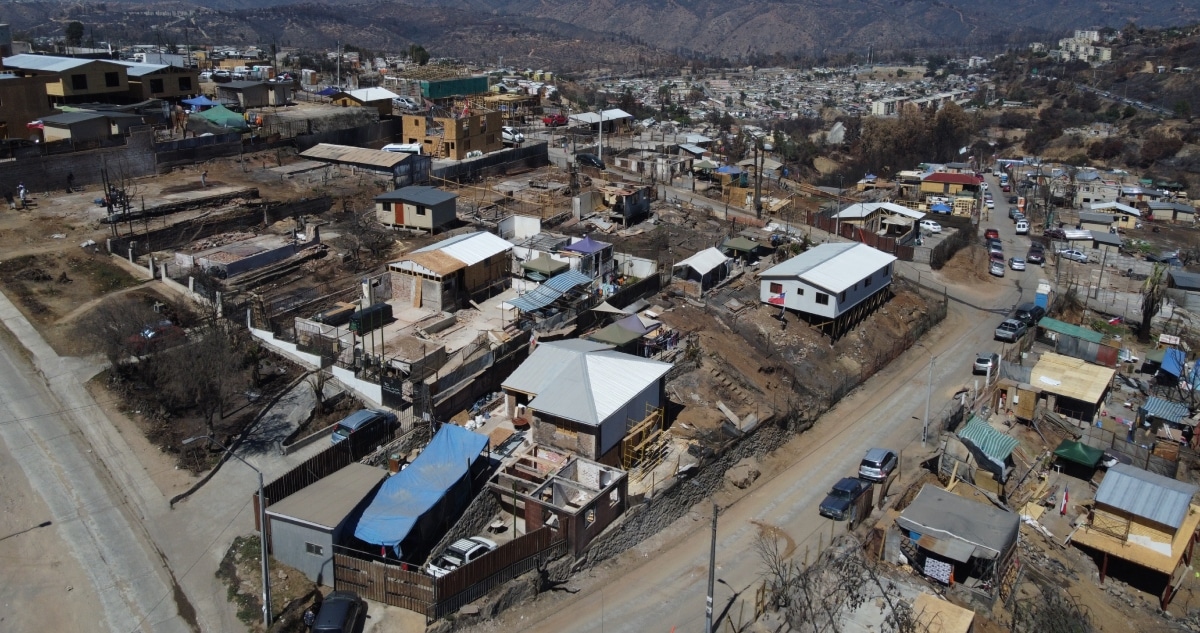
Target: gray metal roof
(1184,280)
(1146,494)
(418,194)
(70,118)
(1102,218)
(1100,237)
(328,502)
(583,380)
(944,515)
(48,63)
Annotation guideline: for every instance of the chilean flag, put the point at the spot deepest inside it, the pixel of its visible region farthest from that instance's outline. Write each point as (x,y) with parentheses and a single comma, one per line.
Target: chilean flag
(1062,510)
(777,300)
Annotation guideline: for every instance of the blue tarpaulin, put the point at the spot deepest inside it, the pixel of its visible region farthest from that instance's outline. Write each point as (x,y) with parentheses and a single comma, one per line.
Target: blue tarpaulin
(200,101)
(1173,361)
(940,208)
(330,91)
(412,493)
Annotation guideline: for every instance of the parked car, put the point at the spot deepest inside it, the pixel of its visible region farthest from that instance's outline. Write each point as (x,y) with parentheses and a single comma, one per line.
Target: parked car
(1022,227)
(1016,263)
(985,361)
(1035,256)
(206,76)
(996,246)
(1029,313)
(406,103)
(341,612)
(929,226)
(591,160)
(877,465)
(1055,233)
(360,420)
(996,268)
(1012,213)
(991,234)
(1019,217)
(510,134)
(1010,330)
(1006,188)
(554,120)
(1012,199)
(460,552)
(989,203)
(841,498)
(1072,254)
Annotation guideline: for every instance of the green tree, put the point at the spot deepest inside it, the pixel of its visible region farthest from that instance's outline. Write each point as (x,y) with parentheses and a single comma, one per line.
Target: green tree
(1184,110)
(418,54)
(74,33)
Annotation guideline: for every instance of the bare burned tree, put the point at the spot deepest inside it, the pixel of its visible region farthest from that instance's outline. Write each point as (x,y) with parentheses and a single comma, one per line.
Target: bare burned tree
(207,372)
(815,597)
(365,233)
(112,327)
(1052,610)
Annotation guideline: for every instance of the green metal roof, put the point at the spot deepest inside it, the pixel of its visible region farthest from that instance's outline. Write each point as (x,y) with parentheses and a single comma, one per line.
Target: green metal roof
(741,244)
(1066,329)
(614,335)
(991,442)
(545,265)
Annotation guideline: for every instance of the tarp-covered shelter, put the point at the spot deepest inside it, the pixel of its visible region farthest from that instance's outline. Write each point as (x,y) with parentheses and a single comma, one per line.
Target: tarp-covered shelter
(1078,458)
(414,507)
(707,267)
(991,448)
(1158,410)
(221,117)
(623,332)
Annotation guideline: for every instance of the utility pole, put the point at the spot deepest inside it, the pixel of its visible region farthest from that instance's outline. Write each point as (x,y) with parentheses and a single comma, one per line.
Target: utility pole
(928,393)
(757,178)
(339,65)
(712,574)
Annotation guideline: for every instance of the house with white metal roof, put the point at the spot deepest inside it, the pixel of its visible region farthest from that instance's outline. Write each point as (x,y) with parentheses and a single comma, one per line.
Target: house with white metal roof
(1146,519)
(378,98)
(581,396)
(448,274)
(828,280)
(884,218)
(707,267)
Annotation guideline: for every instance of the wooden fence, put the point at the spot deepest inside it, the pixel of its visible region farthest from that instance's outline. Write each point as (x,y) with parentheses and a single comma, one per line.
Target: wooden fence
(390,583)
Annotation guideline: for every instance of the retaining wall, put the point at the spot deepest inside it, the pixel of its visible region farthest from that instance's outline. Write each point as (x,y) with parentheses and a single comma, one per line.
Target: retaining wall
(49,173)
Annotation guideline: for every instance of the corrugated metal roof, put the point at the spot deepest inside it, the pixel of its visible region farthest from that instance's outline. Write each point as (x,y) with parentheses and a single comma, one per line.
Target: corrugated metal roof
(1100,218)
(1146,494)
(355,155)
(705,261)
(1164,409)
(741,244)
(70,118)
(1068,329)
(584,381)
(989,441)
(944,515)
(548,292)
(833,267)
(1101,237)
(419,194)
(692,149)
(328,501)
(137,69)
(1184,280)
(865,209)
(470,248)
(47,63)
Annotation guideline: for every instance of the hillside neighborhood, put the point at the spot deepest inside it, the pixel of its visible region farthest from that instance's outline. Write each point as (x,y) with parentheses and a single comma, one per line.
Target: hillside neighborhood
(353,341)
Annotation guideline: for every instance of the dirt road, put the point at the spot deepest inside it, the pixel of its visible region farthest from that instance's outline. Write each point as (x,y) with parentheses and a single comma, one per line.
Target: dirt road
(660,585)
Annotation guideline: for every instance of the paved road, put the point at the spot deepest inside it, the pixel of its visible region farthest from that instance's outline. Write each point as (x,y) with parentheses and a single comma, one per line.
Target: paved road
(48,424)
(660,585)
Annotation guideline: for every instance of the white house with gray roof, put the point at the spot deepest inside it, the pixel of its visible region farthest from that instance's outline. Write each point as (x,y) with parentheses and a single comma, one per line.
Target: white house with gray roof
(582,397)
(827,280)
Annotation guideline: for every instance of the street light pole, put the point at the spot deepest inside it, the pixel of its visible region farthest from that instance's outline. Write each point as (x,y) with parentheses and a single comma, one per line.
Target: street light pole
(262,527)
(928,394)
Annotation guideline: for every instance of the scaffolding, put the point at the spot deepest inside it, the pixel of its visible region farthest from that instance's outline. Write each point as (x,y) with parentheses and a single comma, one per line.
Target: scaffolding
(644,446)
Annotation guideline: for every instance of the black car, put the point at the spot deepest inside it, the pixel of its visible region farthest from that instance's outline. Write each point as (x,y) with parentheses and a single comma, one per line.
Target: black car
(341,612)
(591,160)
(1035,256)
(1029,313)
(838,503)
(1012,199)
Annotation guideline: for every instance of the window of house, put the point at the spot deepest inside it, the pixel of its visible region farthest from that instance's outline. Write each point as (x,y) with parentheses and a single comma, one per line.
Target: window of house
(113,80)
(589,518)
(420,210)
(800,291)
(185,83)
(776,288)
(614,497)
(156,85)
(822,298)
(867,282)
(79,82)
(387,206)
(842,297)
(314,549)
(450,145)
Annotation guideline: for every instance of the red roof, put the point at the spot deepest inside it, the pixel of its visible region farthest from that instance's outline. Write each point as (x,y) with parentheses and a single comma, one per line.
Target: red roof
(954,179)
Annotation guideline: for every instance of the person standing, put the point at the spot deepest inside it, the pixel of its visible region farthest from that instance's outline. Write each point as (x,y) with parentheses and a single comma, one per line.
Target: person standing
(22,193)
(70,182)
(204,178)
(12,204)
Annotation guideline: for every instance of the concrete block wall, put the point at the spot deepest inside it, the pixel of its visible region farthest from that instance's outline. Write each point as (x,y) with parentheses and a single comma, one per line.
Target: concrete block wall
(49,173)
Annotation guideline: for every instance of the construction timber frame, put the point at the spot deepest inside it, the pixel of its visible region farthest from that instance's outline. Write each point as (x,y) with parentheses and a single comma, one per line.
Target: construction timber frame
(642,448)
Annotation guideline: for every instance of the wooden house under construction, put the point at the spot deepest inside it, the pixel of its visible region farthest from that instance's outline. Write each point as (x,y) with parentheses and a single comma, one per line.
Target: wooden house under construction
(453,133)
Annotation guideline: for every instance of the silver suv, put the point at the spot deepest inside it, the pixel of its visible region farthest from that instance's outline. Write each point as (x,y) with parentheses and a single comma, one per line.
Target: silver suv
(877,465)
(1010,330)
(460,552)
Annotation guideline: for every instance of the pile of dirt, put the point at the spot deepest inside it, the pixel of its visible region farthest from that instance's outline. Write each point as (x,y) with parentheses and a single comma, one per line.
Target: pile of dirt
(969,265)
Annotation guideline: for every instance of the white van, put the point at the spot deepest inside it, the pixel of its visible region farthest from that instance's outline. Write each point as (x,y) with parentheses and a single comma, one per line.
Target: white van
(406,148)
(1022,227)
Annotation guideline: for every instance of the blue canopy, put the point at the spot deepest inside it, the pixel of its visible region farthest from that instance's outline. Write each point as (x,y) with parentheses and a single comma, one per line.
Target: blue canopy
(200,101)
(728,169)
(329,91)
(945,208)
(428,482)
